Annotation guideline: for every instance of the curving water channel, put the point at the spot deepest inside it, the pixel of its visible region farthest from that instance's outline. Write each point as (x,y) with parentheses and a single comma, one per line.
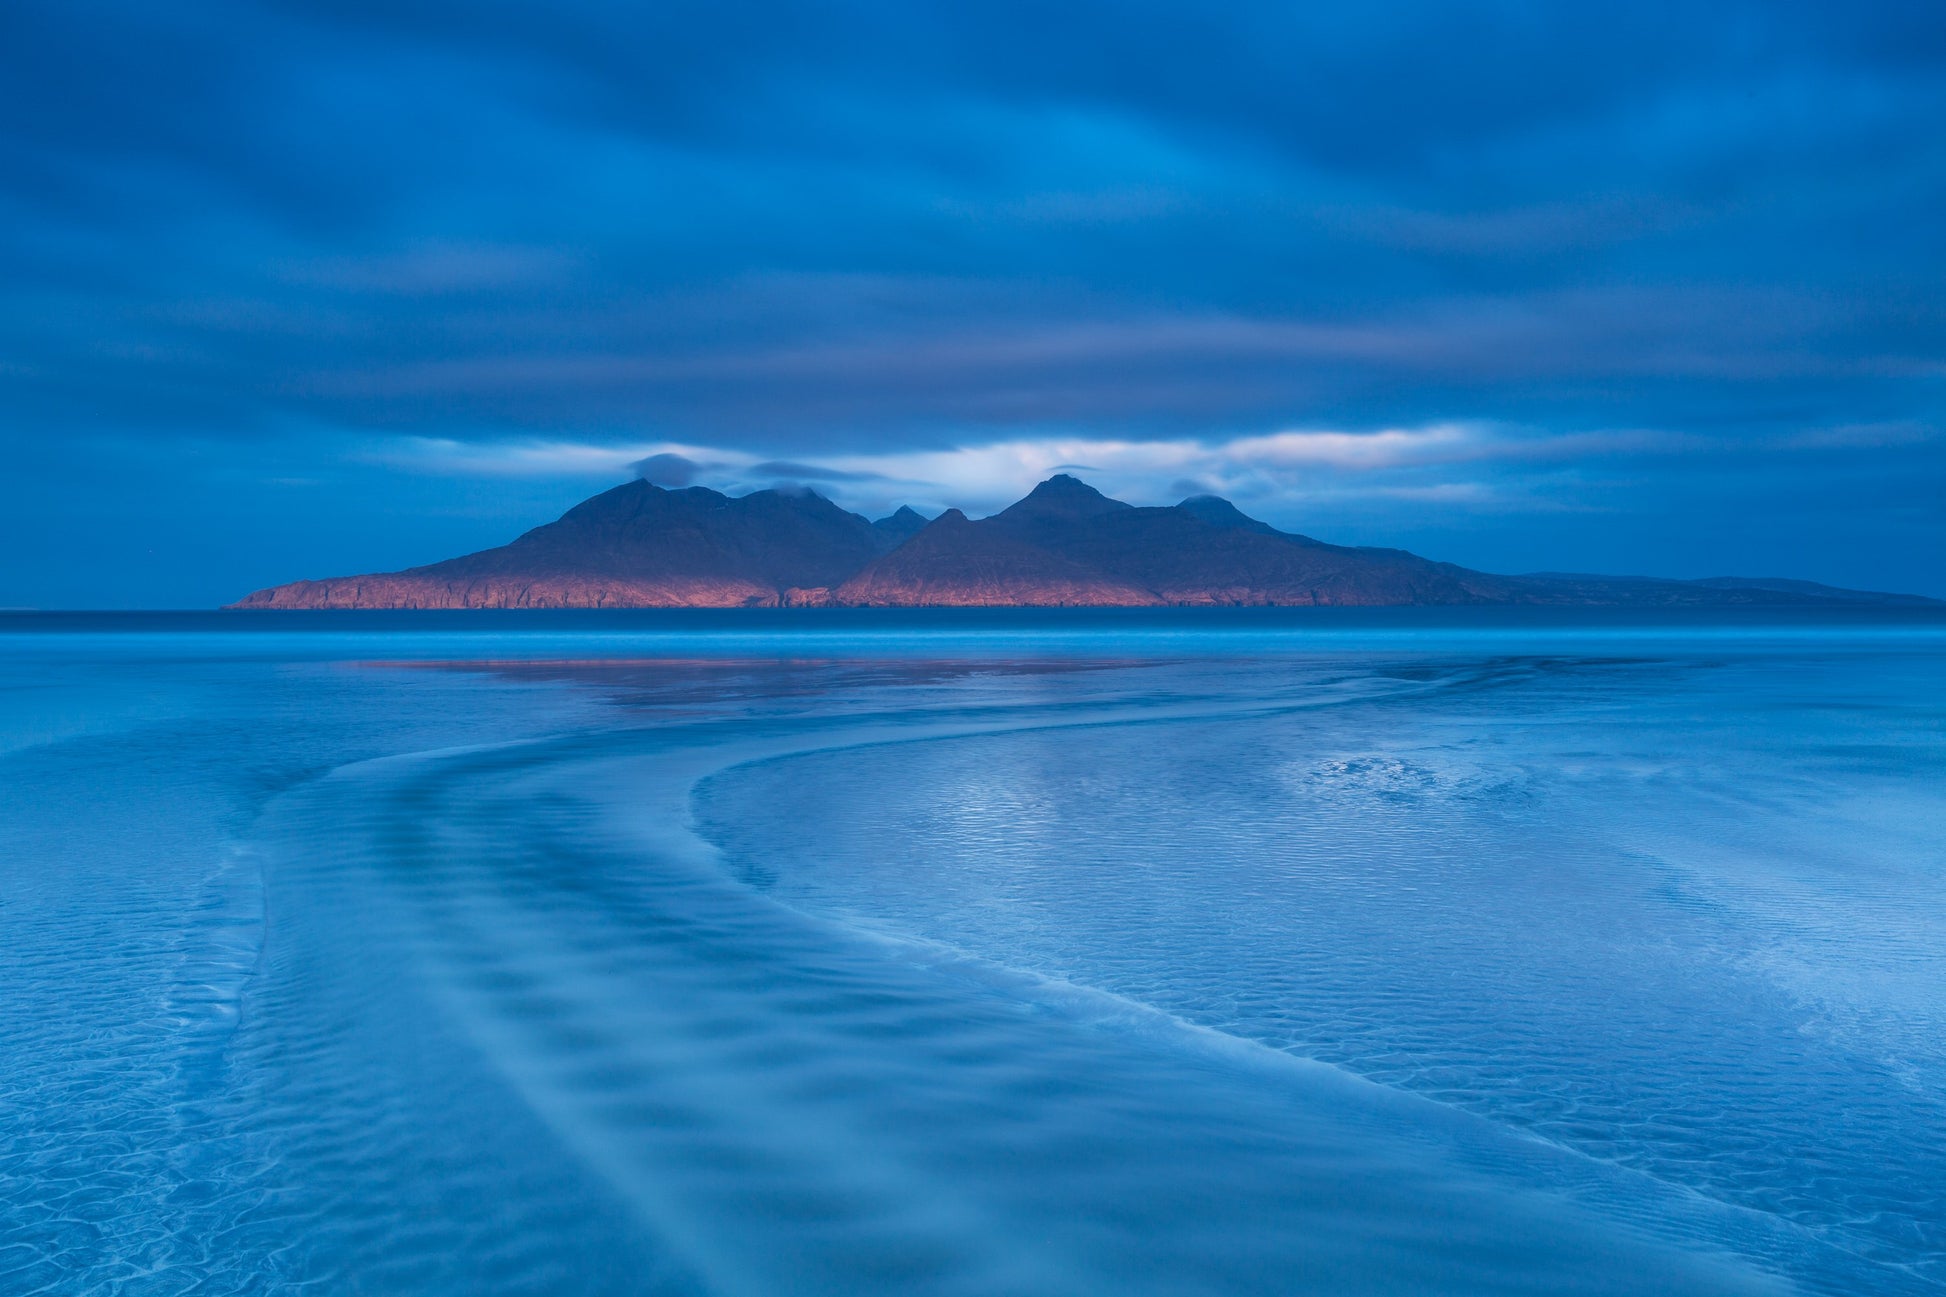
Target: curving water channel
(1180,955)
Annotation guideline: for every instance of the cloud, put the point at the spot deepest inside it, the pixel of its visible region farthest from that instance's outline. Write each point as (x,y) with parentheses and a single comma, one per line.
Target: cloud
(888,228)
(1864,436)
(1296,254)
(1470,467)
(785,469)
(433,269)
(667,469)
(1519,231)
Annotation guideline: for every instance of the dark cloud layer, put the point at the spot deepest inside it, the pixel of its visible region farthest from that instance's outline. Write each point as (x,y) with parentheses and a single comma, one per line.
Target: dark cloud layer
(250,245)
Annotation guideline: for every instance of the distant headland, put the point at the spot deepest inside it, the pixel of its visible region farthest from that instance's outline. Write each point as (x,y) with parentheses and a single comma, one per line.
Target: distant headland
(1064,545)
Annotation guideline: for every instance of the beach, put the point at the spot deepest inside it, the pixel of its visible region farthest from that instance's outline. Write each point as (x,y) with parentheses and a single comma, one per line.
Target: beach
(1198,952)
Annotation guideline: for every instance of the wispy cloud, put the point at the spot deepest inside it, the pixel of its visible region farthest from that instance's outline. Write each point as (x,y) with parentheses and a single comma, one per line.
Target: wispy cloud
(1437,464)
(431,269)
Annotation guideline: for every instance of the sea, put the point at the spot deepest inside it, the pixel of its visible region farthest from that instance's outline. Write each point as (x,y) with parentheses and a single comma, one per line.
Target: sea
(974,952)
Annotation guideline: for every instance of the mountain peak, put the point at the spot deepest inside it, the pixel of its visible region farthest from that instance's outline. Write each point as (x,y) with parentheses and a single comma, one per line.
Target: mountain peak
(1218,512)
(1062,496)
(1066,486)
(896,528)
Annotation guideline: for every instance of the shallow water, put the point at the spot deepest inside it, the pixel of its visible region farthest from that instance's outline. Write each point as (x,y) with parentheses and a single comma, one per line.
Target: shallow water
(1424,952)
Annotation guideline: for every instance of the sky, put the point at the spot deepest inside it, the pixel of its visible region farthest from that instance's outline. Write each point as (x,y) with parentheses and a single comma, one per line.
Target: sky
(304,289)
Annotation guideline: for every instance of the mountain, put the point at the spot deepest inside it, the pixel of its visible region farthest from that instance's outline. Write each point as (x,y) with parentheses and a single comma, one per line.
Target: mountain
(956,561)
(1064,544)
(899,528)
(1218,512)
(637,546)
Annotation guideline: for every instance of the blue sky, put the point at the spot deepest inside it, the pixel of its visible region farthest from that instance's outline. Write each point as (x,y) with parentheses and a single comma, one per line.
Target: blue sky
(294,290)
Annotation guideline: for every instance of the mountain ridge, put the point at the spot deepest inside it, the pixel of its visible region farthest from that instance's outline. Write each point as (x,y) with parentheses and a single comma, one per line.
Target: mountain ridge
(1064,544)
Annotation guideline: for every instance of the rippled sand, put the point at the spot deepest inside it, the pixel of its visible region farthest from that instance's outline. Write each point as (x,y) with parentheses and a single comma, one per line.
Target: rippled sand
(1161,961)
